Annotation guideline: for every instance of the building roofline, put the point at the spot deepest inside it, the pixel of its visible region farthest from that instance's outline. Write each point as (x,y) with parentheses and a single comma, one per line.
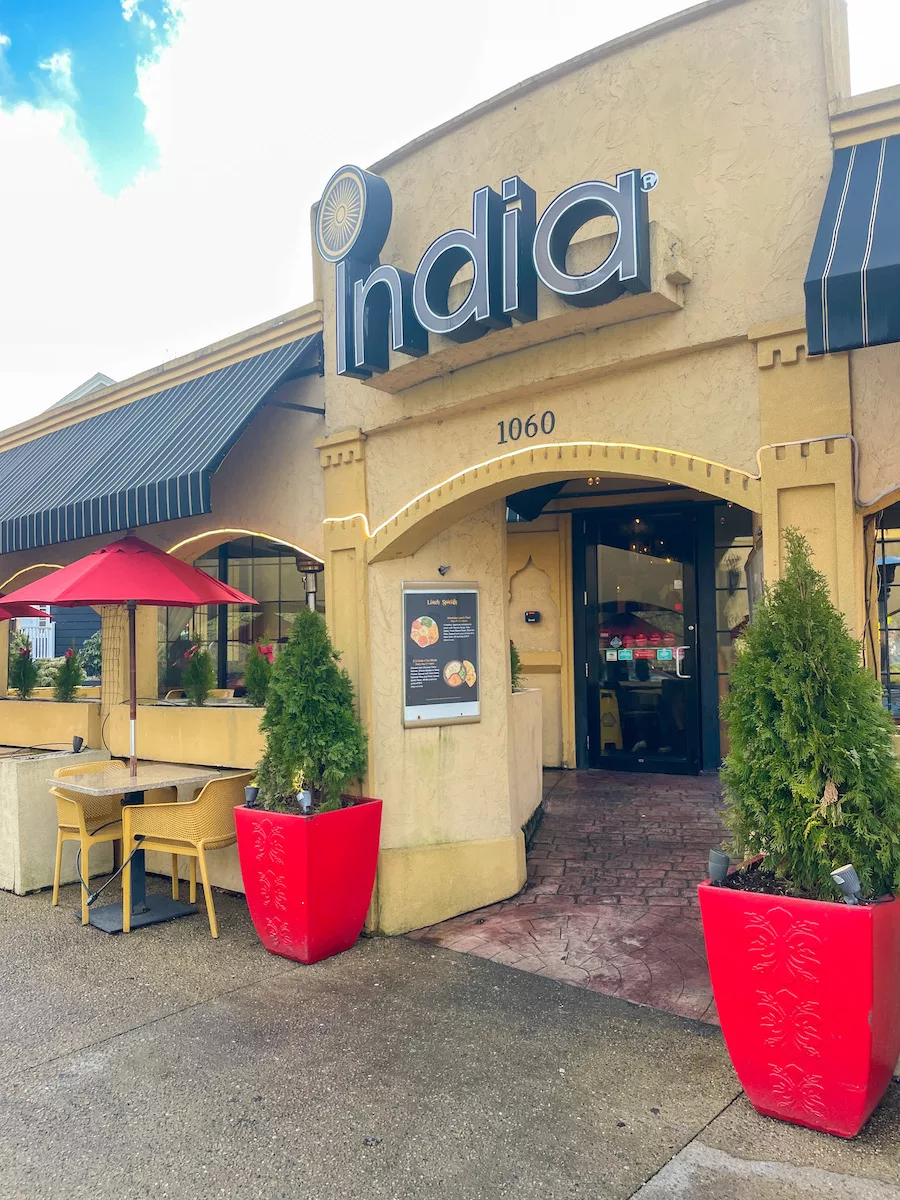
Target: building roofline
(298,323)
(867,117)
(645,34)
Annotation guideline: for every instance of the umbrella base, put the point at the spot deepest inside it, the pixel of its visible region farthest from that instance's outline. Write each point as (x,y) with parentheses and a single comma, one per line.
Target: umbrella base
(157,909)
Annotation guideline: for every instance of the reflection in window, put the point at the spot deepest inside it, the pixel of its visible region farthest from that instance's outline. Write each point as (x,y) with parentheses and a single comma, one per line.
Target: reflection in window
(268,571)
(887,561)
(733,546)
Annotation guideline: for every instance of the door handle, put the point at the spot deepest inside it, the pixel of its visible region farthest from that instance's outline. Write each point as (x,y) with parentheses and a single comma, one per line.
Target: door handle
(679,659)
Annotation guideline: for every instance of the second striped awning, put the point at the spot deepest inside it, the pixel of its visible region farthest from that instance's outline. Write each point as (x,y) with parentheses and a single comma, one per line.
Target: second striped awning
(853,282)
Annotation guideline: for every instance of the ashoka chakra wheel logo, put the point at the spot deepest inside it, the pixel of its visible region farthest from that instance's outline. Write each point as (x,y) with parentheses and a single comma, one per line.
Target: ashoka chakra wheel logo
(341,214)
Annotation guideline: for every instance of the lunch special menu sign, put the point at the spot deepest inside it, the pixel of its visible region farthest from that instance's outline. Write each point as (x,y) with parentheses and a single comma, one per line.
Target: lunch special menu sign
(440,654)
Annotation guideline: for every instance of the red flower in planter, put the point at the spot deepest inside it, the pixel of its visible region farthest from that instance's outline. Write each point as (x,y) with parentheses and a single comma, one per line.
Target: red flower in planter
(267,652)
(70,653)
(23,649)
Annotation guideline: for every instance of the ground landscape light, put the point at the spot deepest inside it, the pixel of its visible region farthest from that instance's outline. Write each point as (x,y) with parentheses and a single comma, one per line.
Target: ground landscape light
(719,862)
(848,881)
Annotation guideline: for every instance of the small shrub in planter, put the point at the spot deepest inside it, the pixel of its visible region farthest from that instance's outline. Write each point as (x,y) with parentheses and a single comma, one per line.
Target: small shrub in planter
(308,851)
(199,677)
(806,985)
(23,670)
(515,667)
(69,677)
(257,674)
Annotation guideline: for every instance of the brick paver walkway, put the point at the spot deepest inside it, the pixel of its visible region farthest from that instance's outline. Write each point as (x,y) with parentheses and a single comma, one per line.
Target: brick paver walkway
(610,903)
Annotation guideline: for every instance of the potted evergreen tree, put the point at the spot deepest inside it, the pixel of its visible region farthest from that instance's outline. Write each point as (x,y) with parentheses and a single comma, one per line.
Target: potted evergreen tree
(308,851)
(807,983)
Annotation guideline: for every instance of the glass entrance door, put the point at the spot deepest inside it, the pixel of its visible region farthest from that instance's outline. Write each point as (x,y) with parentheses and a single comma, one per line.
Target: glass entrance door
(640,601)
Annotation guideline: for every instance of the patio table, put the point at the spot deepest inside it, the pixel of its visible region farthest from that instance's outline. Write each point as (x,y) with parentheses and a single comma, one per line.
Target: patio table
(145,910)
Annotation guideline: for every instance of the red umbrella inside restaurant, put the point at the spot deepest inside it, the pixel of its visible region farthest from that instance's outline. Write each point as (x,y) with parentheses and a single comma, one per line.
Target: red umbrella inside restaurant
(128,572)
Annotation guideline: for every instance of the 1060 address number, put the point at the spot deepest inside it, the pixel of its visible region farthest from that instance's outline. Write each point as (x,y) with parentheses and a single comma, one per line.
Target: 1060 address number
(515,428)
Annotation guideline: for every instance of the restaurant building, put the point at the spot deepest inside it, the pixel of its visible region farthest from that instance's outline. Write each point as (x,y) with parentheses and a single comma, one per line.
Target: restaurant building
(575,361)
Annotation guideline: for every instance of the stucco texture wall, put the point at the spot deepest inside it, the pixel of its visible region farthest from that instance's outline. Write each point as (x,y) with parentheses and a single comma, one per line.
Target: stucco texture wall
(875,391)
(443,783)
(668,404)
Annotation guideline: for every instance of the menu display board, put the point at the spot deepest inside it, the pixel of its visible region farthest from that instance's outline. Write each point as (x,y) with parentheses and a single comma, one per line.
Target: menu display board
(440,654)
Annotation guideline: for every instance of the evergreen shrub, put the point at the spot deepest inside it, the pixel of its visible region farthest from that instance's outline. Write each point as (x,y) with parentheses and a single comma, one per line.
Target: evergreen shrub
(314,741)
(811,781)
(23,670)
(69,677)
(257,674)
(515,667)
(199,677)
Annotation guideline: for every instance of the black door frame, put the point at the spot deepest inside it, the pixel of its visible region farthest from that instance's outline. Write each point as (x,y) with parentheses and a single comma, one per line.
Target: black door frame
(699,611)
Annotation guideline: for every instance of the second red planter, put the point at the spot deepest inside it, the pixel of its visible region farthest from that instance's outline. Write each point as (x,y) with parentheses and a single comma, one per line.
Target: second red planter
(808,994)
(309,880)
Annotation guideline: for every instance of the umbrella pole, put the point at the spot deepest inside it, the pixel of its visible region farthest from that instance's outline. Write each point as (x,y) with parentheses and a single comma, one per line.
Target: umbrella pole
(131,605)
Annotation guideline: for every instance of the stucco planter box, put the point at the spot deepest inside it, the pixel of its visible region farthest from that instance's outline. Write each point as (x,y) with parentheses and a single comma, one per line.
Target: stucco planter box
(226,736)
(525,754)
(28,823)
(48,723)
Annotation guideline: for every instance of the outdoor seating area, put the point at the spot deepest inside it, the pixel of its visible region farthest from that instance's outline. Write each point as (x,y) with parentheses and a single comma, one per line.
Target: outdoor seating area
(104,801)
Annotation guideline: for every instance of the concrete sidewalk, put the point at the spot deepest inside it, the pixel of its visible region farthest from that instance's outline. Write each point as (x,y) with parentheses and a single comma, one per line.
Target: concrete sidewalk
(164,1063)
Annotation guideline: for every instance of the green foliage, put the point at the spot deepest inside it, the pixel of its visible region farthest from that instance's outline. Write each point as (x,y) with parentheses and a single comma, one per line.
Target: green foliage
(46,670)
(23,670)
(69,677)
(811,781)
(515,667)
(314,740)
(199,676)
(90,655)
(257,674)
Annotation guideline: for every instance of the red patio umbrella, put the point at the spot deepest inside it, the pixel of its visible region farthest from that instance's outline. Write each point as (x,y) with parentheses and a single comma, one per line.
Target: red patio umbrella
(128,572)
(8,612)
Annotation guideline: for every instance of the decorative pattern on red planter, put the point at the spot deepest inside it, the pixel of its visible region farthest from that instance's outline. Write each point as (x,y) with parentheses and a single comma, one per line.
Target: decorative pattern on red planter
(268,841)
(795,1090)
(273,890)
(278,934)
(791,1022)
(779,940)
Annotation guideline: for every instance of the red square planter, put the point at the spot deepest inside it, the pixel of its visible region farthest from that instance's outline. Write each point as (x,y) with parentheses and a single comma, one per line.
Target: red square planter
(309,880)
(808,994)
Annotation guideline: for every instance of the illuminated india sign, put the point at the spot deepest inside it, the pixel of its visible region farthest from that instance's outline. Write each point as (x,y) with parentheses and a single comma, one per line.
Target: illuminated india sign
(509,250)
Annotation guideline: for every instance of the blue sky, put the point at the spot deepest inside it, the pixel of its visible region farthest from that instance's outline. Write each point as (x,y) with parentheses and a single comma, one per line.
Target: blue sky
(102,49)
(158,158)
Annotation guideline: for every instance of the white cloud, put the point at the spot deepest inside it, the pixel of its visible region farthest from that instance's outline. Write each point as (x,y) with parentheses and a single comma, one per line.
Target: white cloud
(4,41)
(59,67)
(252,107)
(132,8)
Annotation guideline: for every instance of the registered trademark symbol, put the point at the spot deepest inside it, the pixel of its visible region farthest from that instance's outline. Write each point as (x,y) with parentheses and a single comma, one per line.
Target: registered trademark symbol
(649,180)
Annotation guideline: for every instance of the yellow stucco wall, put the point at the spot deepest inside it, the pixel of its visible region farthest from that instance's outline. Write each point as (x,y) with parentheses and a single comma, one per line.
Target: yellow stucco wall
(540,578)
(48,723)
(875,383)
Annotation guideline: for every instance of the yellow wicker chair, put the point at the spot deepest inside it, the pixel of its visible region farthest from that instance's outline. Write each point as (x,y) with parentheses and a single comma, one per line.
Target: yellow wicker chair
(191,829)
(80,819)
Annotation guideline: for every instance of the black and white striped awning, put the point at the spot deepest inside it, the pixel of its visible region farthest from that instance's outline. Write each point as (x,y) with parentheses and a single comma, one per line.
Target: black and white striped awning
(853,282)
(147,461)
